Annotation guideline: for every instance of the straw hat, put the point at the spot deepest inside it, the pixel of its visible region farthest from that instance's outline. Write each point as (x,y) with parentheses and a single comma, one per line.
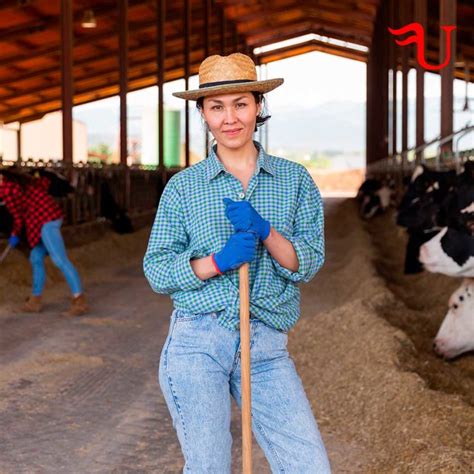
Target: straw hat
(227,75)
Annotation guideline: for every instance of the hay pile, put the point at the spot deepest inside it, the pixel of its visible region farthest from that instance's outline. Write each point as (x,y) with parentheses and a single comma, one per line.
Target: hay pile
(95,261)
(376,412)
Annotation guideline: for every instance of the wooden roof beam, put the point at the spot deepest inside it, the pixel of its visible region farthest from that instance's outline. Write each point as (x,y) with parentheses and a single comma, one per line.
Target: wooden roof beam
(360,37)
(294,28)
(267,17)
(47,22)
(287,36)
(107,70)
(342,9)
(233,9)
(292,35)
(55,49)
(308,46)
(89,60)
(176,64)
(273,22)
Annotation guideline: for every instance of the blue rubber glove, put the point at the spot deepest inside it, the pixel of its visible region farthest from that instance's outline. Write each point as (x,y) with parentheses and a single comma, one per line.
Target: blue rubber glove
(13,241)
(245,218)
(239,249)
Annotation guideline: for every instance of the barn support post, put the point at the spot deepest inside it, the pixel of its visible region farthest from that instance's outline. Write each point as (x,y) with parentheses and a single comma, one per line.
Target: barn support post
(123,84)
(377,91)
(394,23)
(390,84)
(447,14)
(18,144)
(235,38)
(187,33)
(405,10)
(382,150)
(160,62)
(420,17)
(222,25)
(207,40)
(243,45)
(369,108)
(67,78)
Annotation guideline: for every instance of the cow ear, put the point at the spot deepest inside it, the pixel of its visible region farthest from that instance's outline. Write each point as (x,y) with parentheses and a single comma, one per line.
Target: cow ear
(419,170)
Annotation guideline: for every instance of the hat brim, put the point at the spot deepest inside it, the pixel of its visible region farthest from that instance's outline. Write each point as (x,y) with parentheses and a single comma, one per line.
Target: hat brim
(254,86)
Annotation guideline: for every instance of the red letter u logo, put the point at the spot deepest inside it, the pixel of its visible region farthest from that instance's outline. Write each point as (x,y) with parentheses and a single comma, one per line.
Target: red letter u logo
(418,38)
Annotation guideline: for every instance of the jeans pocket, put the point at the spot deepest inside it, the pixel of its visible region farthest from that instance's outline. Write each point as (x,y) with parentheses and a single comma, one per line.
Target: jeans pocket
(278,339)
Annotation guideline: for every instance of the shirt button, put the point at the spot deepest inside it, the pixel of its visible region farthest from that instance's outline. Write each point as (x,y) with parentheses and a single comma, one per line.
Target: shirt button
(241,195)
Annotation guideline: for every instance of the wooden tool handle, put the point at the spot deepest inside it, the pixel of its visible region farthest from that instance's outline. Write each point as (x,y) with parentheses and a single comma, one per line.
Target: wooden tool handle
(5,253)
(245,365)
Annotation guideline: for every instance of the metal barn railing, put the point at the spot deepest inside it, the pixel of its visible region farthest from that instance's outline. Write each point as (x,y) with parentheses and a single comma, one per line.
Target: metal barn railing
(403,163)
(135,189)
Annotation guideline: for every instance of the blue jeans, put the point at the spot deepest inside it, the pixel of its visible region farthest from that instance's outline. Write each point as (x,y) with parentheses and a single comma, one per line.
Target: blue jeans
(52,243)
(199,372)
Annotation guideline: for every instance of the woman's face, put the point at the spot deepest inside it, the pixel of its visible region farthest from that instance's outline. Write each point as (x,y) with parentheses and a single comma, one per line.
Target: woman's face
(231,118)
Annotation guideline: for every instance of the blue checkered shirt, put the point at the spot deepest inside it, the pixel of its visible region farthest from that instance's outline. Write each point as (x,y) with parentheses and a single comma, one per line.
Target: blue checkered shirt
(190,223)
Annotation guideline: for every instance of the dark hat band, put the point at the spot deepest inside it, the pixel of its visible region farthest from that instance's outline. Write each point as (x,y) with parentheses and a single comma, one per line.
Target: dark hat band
(223,83)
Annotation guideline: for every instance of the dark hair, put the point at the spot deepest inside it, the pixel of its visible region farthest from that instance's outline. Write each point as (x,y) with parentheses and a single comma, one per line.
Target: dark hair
(262,117)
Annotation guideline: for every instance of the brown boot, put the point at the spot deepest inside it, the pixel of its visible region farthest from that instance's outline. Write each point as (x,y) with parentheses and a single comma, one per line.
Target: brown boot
(31,305)
(78,306)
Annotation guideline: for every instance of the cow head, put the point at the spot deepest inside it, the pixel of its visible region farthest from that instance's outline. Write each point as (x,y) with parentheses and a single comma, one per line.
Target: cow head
(449,252)
(456,334)
(419,213)
(424,181)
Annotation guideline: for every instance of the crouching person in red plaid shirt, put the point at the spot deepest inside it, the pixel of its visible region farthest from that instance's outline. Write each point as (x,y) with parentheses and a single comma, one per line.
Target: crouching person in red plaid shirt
(29,203)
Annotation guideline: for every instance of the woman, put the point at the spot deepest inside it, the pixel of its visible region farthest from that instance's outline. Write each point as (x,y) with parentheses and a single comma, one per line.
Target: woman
(239,205)
(28,201)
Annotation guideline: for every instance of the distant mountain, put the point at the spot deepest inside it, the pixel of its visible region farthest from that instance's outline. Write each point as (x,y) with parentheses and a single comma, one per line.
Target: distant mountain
(341,126)
(103,123)
(335,125)
(329,126)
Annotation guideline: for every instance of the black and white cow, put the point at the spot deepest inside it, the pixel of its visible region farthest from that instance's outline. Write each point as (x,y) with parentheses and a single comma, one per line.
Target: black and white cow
(374,196)
(456,334)
(431,202)
(438,212)
(59,185)
(427,182)
(110,210)
(6,221)
(451,251)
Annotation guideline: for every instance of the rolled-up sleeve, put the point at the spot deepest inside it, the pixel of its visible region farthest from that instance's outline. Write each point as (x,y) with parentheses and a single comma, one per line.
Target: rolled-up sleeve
(166,264)
(308,233)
